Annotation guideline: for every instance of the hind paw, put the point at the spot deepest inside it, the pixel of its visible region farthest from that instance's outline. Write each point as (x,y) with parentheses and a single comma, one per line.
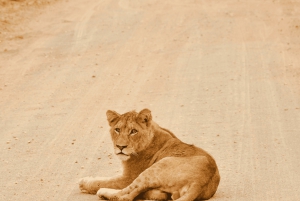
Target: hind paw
(154,194)
(108,194)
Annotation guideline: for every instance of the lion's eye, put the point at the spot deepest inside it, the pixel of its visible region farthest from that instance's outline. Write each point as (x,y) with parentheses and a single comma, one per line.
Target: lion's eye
(133,131)
(117,130)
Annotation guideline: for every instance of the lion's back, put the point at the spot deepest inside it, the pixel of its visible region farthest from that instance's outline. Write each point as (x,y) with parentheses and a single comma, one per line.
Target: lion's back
(177,148)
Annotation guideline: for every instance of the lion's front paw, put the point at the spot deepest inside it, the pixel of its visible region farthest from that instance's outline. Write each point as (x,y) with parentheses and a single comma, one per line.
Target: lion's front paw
(89,185)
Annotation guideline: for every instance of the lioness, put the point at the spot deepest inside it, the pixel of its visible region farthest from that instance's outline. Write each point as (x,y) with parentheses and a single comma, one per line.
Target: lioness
(156,164)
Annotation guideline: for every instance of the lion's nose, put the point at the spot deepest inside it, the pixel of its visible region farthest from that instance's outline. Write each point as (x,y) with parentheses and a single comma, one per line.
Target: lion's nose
(121,147)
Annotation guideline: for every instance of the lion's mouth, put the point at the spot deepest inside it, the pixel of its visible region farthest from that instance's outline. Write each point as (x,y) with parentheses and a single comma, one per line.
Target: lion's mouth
(121,153)
(123,156)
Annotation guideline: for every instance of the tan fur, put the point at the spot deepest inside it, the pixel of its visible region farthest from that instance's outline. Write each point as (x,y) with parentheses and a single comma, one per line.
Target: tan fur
(154,158)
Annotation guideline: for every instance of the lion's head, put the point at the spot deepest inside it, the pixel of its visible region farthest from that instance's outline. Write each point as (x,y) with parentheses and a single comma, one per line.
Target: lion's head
(130,132)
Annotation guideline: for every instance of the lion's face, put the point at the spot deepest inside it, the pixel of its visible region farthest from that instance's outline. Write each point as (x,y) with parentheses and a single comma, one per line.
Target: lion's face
(130,132)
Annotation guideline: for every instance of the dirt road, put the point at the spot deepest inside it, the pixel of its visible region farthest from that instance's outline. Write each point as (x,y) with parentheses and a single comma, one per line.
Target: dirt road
(223,75)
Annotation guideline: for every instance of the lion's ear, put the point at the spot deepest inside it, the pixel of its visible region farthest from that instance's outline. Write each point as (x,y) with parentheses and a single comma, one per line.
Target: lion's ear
(112,117)
(144,116)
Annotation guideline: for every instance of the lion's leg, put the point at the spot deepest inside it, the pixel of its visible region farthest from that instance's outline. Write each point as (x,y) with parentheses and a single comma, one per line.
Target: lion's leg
(126,194)
(142,183)
(154,194)
(92,185)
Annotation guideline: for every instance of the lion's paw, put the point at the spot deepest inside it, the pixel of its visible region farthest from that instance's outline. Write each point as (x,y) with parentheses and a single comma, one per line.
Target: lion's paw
(175,195)
(88,185)
(154,194)
(108,194)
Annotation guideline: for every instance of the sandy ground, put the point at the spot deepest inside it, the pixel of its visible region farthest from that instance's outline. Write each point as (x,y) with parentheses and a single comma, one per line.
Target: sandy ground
(223,75)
